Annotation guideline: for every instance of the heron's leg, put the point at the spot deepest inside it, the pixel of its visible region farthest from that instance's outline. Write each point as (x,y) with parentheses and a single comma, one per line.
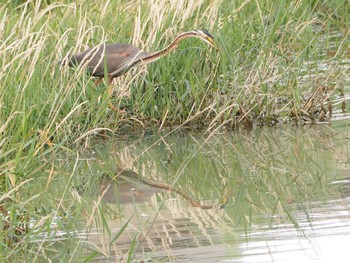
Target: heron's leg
(110,80)
(97,81)
(110,91)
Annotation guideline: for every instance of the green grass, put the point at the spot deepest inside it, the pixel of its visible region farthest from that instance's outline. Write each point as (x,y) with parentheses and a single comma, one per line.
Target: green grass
(270,55)
(277,61)
(264,47)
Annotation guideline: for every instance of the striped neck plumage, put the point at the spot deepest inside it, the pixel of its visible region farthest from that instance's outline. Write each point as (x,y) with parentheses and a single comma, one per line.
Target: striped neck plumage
(154,56)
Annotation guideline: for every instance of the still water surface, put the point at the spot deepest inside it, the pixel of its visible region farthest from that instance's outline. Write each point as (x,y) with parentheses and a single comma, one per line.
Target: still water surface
(287,192)
(267,195)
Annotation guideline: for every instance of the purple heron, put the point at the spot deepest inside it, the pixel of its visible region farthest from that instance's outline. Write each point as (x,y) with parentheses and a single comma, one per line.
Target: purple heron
(114,60)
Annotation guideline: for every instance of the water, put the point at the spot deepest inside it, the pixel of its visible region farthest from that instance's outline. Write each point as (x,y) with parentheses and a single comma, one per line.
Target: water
(319,237)
(278,194)
(287,191)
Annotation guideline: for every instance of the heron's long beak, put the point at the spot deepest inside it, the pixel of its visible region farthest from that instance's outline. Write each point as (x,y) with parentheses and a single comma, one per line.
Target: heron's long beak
(211,42)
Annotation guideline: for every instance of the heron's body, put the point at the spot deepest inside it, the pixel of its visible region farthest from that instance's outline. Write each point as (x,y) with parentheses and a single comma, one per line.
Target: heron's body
(116,57)
(114,60)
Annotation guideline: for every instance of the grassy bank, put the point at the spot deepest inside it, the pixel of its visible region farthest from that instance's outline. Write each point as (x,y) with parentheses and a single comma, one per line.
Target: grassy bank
(277,61)
(272,57)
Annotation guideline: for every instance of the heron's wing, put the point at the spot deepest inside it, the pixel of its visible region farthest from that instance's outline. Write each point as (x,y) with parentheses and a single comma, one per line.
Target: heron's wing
(130,60)
(115,56)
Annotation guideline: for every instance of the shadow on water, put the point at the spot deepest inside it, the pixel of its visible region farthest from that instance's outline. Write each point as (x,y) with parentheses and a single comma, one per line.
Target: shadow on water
(287,194)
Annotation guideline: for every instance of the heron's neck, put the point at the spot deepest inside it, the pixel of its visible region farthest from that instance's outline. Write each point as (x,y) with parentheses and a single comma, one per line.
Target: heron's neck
(153,56)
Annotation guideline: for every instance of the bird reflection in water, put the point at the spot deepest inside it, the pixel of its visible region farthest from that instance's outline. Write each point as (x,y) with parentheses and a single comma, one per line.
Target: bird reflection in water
(128,187)
(125,188)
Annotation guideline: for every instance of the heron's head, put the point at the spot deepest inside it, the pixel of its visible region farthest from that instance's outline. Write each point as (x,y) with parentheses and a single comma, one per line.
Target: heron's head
(205,36)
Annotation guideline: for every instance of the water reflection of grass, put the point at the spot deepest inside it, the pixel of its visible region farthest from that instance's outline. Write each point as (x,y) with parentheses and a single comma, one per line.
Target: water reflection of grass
(267,173)
(271,56)
(271,171)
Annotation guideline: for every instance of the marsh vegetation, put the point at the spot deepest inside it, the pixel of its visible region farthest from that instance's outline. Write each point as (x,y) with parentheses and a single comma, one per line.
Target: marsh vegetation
(277,62)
